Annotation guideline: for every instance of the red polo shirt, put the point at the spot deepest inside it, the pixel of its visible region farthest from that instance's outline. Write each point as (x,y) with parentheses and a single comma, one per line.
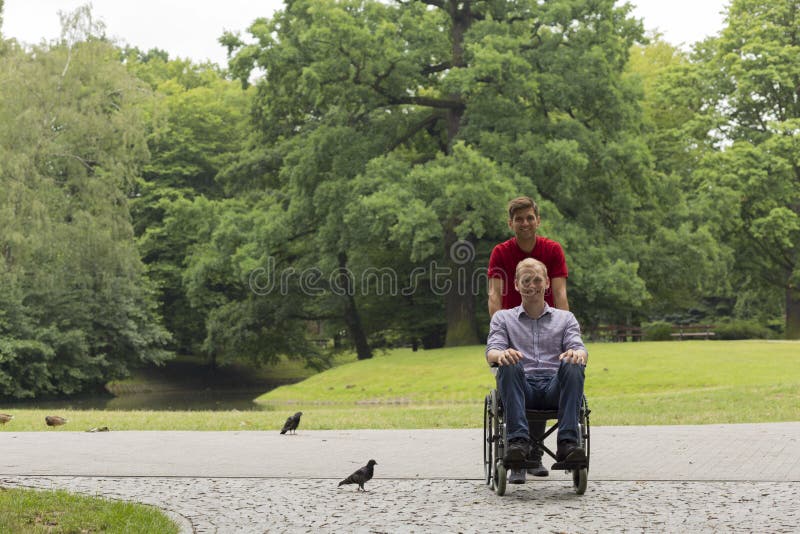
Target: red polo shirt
(505,257)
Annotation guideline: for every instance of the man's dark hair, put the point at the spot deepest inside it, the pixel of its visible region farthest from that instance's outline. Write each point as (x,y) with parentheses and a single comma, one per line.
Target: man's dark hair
(522,203)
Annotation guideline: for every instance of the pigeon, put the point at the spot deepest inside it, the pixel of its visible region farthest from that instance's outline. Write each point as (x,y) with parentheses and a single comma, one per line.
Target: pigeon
(54,420)
(361,476)
(5,418)
(291,423)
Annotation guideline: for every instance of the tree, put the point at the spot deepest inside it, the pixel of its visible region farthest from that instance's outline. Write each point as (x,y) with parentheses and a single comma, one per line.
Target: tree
(683,263)
(451,202)
(355,90)
(79,310)
(750,173)
(196,229)
(197,122)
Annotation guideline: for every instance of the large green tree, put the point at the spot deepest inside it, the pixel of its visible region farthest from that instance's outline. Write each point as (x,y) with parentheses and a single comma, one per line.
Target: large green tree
(197,123)
(682,261)
(77,309)
(197,229)
(746,94)
(365,104)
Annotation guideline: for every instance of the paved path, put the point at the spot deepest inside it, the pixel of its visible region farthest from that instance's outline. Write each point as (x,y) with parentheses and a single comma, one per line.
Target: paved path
(709,478)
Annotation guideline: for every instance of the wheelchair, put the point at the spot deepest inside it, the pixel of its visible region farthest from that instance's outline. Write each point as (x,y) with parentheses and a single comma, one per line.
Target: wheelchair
(495,441)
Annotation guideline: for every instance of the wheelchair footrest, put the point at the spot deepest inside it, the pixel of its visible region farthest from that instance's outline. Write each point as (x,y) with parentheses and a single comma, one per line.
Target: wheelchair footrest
(569,466)
(527,464)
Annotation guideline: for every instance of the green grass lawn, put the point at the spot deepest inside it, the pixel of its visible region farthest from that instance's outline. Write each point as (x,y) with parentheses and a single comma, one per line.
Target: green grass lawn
(28,511)
(651,383)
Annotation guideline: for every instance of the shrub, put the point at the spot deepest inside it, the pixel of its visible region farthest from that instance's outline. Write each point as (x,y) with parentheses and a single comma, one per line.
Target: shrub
(742,329)
(777,326)
(657,331)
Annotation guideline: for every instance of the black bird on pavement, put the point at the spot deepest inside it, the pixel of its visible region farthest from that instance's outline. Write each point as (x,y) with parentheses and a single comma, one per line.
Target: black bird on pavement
(291,423)
(361,476)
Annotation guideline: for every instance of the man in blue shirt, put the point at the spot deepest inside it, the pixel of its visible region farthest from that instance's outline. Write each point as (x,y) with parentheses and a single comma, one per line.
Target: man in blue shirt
(541,360)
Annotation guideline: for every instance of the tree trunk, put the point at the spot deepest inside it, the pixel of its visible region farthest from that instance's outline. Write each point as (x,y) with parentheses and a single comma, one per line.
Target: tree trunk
(462,327)
(461,19)
(351,317)
(461,324)
(792,313)
(353,321)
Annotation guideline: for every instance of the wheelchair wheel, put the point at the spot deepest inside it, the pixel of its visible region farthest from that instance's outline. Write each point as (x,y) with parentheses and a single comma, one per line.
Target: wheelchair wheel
(584,428)
(487,440)
(500,476)
(496,428)
(579,479)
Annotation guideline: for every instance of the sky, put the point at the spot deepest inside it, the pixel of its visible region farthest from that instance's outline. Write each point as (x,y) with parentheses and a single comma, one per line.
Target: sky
(190,28)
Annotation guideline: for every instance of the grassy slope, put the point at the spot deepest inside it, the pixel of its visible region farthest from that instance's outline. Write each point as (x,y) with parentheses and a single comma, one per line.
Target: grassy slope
(398,376)
(627,383)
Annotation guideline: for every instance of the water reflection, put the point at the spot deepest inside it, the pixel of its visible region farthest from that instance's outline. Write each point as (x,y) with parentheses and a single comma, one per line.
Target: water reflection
(175,400)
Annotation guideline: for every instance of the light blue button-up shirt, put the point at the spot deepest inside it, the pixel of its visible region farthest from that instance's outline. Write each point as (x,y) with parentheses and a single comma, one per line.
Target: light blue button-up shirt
(540,340)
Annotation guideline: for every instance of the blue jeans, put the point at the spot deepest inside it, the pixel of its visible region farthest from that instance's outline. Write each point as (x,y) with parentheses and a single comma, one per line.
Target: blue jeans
(562,391)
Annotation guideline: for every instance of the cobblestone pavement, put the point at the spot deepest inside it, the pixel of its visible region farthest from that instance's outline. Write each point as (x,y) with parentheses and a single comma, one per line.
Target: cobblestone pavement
(228,505)
(705,478)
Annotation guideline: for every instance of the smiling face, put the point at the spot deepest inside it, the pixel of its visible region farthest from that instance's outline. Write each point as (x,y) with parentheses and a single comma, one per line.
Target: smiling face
(524,223)
(531,280)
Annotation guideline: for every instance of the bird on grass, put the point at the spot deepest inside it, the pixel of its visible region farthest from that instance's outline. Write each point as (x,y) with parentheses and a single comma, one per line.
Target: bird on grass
(361,476)
(5,418)
(291,423)
(54,420)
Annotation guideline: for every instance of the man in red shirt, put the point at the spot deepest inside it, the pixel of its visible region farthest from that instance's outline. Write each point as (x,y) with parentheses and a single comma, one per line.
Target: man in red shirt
(524,221)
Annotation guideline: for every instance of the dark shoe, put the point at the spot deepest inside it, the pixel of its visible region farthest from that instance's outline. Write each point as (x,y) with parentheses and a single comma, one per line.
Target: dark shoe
(516,476)
(517,451)
(569,452)
(538,470)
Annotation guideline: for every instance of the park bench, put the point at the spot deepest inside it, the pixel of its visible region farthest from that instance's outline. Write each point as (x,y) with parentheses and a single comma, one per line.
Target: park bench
(620,332)
(696,331)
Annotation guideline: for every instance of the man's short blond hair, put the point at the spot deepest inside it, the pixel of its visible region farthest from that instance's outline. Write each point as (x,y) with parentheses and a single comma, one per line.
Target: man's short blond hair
(530,263)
